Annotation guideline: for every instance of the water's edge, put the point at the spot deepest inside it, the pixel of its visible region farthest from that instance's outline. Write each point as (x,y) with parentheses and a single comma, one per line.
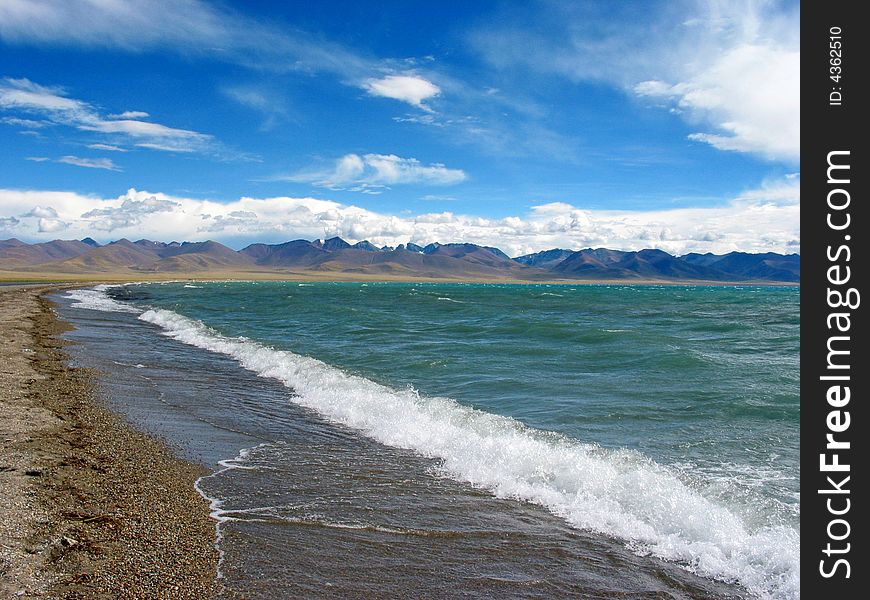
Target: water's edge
(501,449)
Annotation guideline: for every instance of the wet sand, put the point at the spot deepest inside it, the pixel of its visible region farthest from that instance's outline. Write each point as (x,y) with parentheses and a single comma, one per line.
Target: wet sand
(89,506)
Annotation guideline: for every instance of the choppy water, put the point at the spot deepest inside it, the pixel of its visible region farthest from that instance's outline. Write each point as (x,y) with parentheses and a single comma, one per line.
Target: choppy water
(459,439)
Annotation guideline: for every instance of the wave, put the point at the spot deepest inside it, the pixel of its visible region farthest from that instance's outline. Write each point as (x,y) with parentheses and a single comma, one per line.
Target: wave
(97,299)
(619,493)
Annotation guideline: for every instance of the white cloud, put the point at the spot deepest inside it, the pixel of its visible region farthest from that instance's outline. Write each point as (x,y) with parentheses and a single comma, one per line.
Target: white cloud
(51,225)
(205,30)
(268,103)
(26,123)
(27,95)
(132,210)
(731,69)
(90,163)
(362,173)
(764,219)
(247,96)
(129,25)
(166,146)
(37,158)
(210,31)
(141,129)
(438,198)
(751,95)
(784,191)
(237,220)
(390,169)
(348,168)
(8,223)
(131,114)
(188,27)
(45,212)
(23,95)
(406,88)
(47,220)
(107,147)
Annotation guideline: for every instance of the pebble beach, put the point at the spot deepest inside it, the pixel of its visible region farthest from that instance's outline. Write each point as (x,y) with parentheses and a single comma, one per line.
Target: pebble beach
(89,506)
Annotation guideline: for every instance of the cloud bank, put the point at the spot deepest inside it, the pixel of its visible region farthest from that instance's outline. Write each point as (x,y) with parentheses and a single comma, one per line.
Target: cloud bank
(759,220)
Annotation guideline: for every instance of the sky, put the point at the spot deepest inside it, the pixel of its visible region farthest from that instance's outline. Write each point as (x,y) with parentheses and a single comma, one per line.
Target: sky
(522,125)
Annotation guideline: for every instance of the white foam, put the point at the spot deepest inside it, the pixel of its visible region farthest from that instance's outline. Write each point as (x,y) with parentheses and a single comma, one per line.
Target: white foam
(97,299)
(217,513)
(616,492)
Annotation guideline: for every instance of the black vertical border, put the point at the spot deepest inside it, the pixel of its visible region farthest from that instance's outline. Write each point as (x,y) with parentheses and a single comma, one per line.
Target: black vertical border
(826,128)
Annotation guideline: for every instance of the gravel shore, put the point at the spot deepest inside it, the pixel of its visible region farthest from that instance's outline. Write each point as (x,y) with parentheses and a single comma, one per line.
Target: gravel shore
(89,506)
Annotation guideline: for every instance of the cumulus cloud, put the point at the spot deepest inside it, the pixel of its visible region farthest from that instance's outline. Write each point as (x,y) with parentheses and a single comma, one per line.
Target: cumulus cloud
(370,171)
(89,163)
(130,213)
(7,223)
(44,212)
(751,95)
(412,89)
(51,225)
(52,104)
(244,221)
(47,220)
(758,220)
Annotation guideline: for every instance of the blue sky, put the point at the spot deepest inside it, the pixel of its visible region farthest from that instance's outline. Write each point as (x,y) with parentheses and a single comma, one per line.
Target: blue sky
(672,125)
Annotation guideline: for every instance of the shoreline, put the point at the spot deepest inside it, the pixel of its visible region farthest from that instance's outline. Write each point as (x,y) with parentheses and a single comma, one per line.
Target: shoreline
(13,277)
(91,506)
(61,546)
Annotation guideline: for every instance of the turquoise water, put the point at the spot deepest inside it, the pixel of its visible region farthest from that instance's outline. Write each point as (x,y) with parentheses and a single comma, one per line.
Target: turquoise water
(664,416)
(702,377)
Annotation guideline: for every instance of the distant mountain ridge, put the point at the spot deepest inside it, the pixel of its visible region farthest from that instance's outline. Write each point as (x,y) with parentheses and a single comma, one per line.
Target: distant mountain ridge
(769,265)
(546,259)
(455,261)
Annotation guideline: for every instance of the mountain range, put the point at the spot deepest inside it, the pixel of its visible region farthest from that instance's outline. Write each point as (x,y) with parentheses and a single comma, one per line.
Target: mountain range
(334,256)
